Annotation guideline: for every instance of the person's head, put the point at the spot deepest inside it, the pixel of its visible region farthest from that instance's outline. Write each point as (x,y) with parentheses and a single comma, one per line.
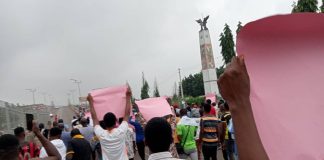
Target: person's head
(84,122)
(226,107)
(194,105)
(55,133)
(110,120)
(75,132)
(55,124)
(61,126)
(183,112)
(213,104)
(201,112)
(120,120)
(221,107)
(41,126)
(208,101)
(60,121)
(9,147)
(207,108)
(20,134)
(158,135)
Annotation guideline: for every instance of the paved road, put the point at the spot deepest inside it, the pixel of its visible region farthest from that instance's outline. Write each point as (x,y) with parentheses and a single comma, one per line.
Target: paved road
(137,157)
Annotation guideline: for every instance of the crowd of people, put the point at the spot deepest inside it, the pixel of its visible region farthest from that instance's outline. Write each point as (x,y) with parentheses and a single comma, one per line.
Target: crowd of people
(191,132)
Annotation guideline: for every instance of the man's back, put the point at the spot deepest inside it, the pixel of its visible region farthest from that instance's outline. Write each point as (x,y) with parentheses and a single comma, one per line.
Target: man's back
(209,127)
(113,142)
(88,133)
(81,148)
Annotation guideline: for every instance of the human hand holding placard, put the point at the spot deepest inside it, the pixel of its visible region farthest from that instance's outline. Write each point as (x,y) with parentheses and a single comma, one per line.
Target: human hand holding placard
(284,56)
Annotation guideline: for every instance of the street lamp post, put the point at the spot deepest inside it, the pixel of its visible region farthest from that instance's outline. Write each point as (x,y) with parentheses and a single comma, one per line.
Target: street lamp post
(72,94)
(78,83)
(33,92)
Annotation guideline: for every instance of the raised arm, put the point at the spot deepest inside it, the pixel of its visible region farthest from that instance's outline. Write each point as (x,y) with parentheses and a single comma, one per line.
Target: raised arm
(234,86)
(51,151)
(128,103)
(92,111)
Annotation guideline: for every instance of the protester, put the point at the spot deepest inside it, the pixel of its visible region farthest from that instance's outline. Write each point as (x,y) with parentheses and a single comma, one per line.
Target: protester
(158,138)
(212,109)
(54,137)
(65,136)
(211,130)
(79,148)
(139,135)
(186,130)
(228,145)
(234,86)
(66,127)
(129,141)
(86,131)
(43,130)
(27,148)
(10,147)
(112,139)
(195,111)
(171,119)
(213,105)
(220,109)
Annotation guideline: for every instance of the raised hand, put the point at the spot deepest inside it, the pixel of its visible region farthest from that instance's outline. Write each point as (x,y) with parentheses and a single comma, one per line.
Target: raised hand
(234,84)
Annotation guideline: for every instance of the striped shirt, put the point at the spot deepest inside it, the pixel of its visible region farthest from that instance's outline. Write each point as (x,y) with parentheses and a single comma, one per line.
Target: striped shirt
(209,130)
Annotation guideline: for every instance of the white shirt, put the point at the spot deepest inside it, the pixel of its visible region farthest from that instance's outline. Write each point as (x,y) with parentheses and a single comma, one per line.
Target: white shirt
(113,143)
(161,156)
(59,145)
(129,142)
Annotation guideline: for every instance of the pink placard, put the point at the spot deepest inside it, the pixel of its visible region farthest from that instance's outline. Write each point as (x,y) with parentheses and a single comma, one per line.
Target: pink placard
(87,114)
(284,56)
(154,107)
(211,96)
(112,99)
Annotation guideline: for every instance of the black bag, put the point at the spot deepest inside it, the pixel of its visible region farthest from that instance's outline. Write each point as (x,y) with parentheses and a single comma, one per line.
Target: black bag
(179,146)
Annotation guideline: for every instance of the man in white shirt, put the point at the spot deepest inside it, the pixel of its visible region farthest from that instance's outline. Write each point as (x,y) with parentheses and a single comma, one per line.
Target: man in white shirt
(158,138)
(112,138)
(54,137)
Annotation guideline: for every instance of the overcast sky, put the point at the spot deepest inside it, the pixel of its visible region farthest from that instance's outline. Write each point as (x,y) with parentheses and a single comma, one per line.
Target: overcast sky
(44,43)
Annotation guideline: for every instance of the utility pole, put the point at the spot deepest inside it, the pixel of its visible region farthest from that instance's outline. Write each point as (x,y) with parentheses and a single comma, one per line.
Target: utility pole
(72,94)
(44,95)
(78,83)
(33,91)
(180,83)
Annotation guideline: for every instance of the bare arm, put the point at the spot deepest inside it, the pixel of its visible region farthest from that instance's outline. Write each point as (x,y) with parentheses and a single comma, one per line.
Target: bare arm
(128,104)
(51,151)
(234,86)
(93,112)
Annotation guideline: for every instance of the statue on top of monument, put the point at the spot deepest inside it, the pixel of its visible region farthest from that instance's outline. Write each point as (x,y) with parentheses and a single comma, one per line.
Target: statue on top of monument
(203,23)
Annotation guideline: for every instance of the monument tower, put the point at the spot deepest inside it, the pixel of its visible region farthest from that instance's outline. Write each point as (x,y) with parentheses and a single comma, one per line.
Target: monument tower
(207,59)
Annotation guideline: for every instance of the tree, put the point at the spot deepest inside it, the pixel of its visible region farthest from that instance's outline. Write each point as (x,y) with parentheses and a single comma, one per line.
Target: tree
(193,85)
(156,92)
(239,27)
(227,44)
(145,88)
(175,97)
(322,7)
(305,6)
(220,70)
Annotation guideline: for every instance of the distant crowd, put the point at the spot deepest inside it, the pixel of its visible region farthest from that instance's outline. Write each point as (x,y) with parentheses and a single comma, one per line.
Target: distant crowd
(191,132)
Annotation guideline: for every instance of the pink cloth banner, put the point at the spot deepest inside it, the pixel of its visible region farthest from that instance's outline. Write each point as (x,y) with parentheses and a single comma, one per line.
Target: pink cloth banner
(112,99)
(154,107)
(284,56)
(211,96)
